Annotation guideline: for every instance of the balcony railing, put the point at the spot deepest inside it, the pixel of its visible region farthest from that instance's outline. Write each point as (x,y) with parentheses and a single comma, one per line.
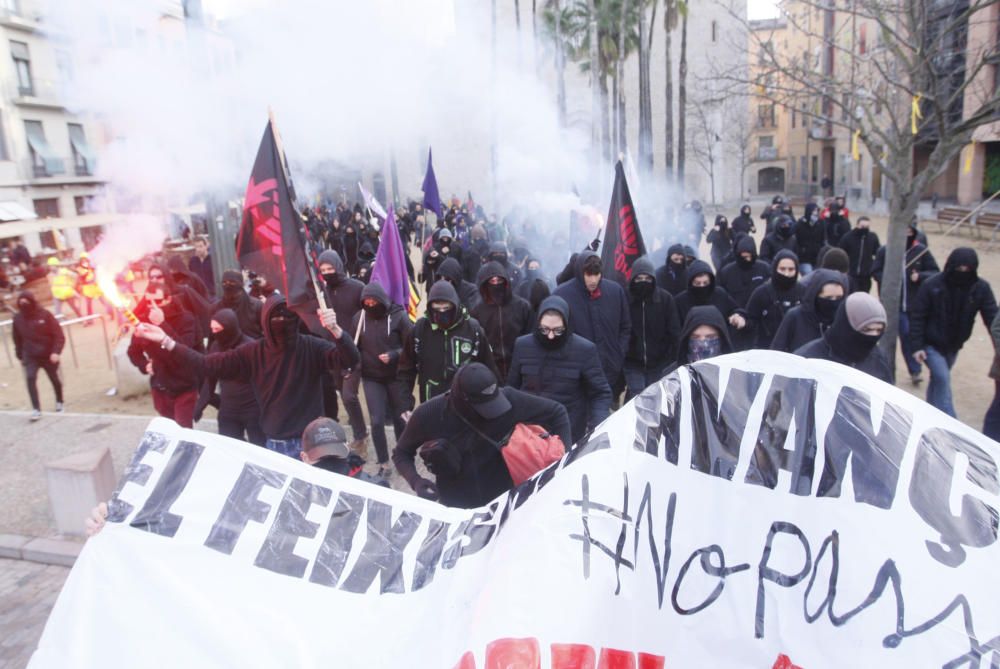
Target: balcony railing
(41,92)
(62,166)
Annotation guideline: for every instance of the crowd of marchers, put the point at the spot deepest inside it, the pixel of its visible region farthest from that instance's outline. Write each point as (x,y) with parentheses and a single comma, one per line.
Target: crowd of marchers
(510,338)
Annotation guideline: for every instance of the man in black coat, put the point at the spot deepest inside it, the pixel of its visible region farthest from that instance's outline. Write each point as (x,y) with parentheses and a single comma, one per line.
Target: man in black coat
(860,245)
(672,276)
(810,236)
(836,223)
(38,342)
(285,369)
(467,425)
(782,237)
(599,312)
(343,297)
(235,298)
(555,363)
(852,338)
(702,290)
(468,294)
(942,318)
(652,345)
(503,315)
(822,295)
(743,224)
(769,303)
(745,274)
(441,341)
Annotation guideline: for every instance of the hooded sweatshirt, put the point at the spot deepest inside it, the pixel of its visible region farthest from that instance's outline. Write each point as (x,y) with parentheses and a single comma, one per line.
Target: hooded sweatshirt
(285,370)
(601,317)
(378,331)
(37,333)
(769,303)
(802,324)
(655,326)
(247,310)
(709,295)
(698,316)
(721,239)
(810,235)
(743,223)
(741,277)
(343,294)
(169,375)
(782,237)
(503,315)
(842,344)
(860,245)
(673,277)
(468,293)
(236,397)
(945,308)
(566,370)
(919,259)
(433,353)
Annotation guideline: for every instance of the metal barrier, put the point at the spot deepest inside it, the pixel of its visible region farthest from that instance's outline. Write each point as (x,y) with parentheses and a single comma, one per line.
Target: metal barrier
(67,326)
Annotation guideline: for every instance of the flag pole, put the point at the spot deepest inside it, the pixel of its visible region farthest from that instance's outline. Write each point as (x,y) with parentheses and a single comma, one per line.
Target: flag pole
(320,297)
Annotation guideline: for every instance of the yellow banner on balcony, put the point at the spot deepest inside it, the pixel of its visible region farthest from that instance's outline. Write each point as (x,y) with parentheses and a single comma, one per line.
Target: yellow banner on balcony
(970,152)
(855,149)
(915,113)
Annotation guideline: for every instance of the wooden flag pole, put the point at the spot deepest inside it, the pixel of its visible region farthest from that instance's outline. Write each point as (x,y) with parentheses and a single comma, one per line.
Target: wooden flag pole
(320,296)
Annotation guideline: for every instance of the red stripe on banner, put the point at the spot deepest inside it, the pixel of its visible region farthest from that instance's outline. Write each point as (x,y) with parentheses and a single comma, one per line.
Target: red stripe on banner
(784,662)
(612,658)
(510,653)
(573,656)
(468,661)
(647,661)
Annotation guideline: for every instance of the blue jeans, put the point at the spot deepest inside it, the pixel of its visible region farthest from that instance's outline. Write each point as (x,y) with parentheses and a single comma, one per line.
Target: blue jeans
(905,345)
(289,447)
(991,425)
(939,387)
(638,379)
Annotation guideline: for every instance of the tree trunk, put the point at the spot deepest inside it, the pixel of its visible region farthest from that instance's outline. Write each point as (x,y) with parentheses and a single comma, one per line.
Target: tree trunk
(534,35)
(560,67)
(682,104)
(620,140)
(605,118)
(615,110)
(668,124)
(645,92)
(595,79)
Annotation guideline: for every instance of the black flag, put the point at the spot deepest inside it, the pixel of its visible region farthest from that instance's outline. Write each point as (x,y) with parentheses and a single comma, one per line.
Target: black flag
(622,239)
(270,240)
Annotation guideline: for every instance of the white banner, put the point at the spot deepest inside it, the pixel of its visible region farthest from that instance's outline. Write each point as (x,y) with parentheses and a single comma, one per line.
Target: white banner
(754,510)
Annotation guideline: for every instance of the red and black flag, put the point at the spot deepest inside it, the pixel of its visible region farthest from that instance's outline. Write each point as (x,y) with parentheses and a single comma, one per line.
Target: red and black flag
(271,241)
(622,239)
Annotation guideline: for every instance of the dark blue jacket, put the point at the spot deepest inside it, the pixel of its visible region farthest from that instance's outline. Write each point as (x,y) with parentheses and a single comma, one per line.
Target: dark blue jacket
(604,320)
(655,325)
(570,374)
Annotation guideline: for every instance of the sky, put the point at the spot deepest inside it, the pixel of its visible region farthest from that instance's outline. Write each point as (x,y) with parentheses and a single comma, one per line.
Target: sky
(757,9)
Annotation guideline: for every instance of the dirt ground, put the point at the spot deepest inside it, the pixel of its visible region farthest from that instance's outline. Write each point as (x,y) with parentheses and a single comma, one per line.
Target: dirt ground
(88,381)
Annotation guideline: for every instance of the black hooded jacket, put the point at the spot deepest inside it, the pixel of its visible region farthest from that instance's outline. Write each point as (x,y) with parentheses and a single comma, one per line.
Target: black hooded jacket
(802,324)
(375,336)
(37,333)
(716,296)
(919,259)
(673,278)
(843,344)
(451,271)
(504,320)
(768,304)
(860,246)
(782,237)
(810,235)
(720,237)
(482,474)
(698,316)
(743,224)
(602,318)
(432,354)
(570,374)
(655,326)
(169,375)
(284,370)
(740,278)
(344,297)
(246,308)
(943,313)
(236,397)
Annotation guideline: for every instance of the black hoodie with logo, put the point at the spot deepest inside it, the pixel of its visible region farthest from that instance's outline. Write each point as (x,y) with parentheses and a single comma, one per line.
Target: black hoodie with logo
(945,308)
(503,315)
(802,324)
(433,353)
(712,294)
(37,333)
(567,370)
(769,303)
(284,368)
(741,277)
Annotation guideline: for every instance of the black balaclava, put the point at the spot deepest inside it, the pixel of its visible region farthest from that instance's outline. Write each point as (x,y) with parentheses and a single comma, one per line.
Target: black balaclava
(961,256)
(780,281)
(844,340)
(746,245)
(232,286)
(702,294)
(826,308)
(231,335)
(284,325)
(642,285)
(783,227)
(553,304)
(26,302)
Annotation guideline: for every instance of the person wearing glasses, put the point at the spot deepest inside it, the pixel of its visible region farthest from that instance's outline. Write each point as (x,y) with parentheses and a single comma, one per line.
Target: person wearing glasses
(555,363)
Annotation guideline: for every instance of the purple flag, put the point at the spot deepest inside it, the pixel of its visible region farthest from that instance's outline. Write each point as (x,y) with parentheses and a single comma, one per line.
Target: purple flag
(389,270)
(432,199)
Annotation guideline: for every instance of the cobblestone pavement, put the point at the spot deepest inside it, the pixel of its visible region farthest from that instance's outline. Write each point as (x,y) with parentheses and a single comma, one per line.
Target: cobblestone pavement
(28,591)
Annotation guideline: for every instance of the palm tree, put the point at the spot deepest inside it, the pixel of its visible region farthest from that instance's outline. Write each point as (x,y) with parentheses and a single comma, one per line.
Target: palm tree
(682,8)
(669,23)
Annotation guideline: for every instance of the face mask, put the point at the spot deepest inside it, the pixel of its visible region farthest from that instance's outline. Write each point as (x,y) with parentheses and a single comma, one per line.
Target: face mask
(700,349)
(961,279)
(642,289)
(443,319)
(231,291)
(496,292)
(178,277)
(701,293)
(24,305)
(784,231)
(333,279)
(826,308)
(744,263)
(782,282)
(376,311)
(284,326)
(553,343)
(859,345)
(500,258)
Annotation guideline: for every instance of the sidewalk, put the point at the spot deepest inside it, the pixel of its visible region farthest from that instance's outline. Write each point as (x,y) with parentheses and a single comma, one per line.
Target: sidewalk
(28,591)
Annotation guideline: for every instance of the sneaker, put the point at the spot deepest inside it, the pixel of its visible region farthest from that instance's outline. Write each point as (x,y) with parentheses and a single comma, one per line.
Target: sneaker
(360,447)
(59,407)
(916,379)
(385,470)
(35,415)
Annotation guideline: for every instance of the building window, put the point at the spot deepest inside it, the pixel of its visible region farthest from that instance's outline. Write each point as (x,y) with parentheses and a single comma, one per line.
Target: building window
(11,6)
(44,161)
(794,114)
(765,115)
(85,204)
(22,68)
(802,168)
(715,31)
(3,141)
(47,207)
(792,163)
(815,169)
(83,155)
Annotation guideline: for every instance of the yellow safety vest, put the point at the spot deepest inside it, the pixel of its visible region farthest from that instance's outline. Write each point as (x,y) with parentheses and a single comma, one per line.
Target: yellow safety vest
(63,284)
